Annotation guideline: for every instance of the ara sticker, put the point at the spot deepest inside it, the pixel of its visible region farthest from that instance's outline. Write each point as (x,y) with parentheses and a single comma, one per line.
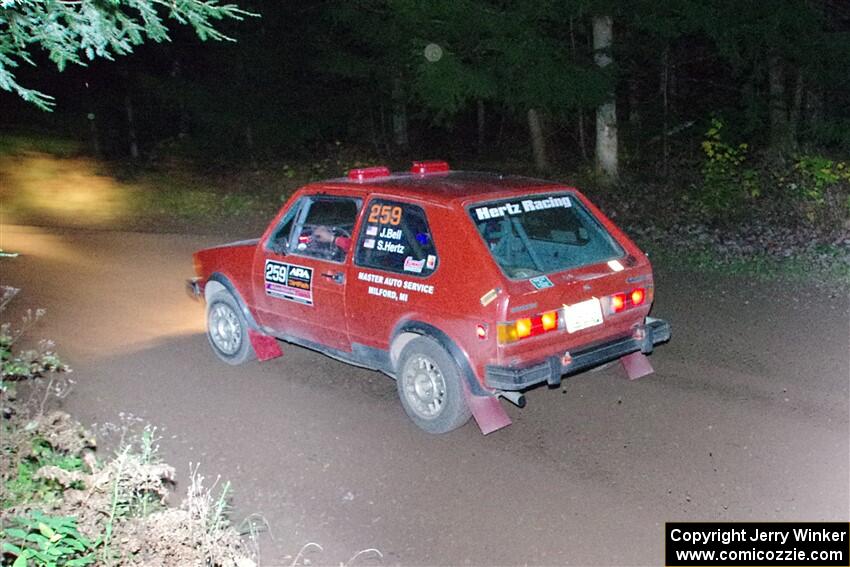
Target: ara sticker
(371,230)
(415,266)
(288,281)
(431,262)
(488,297)
(615,265)
(541,282)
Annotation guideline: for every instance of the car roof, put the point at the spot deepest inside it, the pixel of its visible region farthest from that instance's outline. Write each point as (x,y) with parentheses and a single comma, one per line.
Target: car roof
(444,188)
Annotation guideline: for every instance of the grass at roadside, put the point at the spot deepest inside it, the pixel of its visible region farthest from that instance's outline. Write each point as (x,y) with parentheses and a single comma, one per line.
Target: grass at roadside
(48,181)
(830,269)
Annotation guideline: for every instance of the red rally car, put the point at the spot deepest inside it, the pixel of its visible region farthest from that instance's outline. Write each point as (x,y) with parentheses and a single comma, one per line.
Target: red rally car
(464,287)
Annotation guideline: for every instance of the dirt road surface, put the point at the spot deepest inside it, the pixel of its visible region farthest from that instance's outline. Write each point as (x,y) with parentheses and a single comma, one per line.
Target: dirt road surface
(746,418)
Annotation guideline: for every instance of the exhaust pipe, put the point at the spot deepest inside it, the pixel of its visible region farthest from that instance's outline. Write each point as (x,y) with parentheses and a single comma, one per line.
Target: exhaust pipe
(515,398)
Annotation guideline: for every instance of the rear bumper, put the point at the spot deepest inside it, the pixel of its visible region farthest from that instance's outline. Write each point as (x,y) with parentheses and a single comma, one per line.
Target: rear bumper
(654,331)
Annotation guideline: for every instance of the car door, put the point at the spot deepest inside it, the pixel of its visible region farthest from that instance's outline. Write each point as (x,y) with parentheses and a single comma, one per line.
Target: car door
(299,272)
(395,259)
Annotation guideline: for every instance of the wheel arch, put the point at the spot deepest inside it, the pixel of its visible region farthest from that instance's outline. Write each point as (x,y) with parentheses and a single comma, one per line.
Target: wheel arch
(218,282)
(411,329)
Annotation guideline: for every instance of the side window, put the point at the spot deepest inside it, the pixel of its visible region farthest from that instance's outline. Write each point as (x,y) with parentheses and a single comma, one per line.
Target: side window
(322,227)
(395,237)
(279,240)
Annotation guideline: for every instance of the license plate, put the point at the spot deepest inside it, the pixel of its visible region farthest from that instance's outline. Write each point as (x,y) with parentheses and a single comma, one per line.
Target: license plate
(583,315)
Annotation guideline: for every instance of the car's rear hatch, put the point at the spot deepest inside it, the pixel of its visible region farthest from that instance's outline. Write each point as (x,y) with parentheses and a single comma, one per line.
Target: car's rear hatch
(572,279)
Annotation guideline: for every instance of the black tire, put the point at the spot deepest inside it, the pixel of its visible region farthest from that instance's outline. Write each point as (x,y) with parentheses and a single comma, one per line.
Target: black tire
(429,386)
(227,329)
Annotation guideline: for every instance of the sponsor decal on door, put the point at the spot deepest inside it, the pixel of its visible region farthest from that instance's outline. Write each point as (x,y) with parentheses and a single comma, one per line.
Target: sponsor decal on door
(288,281)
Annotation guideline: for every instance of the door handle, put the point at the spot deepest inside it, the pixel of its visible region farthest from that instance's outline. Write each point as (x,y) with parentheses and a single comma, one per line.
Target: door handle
(336,277)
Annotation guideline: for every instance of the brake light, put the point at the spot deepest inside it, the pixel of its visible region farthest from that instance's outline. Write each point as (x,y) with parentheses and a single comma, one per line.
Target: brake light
(364,173)
(425,167)
(638,295)
(549,320)
(622,301)
(527,327)
(618,302)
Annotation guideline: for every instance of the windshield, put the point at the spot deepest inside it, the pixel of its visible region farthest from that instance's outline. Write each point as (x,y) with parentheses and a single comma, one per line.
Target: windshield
(540,234)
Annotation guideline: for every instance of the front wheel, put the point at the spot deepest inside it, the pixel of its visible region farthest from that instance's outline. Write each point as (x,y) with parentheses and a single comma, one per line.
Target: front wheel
(429,385)
(227,329)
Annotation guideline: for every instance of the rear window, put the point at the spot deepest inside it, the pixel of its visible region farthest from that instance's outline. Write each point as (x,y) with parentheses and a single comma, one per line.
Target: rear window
(539,234)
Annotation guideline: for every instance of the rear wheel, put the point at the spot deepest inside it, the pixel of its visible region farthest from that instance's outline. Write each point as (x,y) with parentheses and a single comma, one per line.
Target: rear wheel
(429,385)
(227,329)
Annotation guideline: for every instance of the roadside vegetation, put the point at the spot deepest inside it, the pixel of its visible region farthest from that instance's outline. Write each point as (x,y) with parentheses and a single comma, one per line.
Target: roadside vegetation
(62,503)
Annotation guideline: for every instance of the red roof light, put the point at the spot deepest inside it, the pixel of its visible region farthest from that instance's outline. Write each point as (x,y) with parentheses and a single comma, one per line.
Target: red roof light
(425,167)
(365,173)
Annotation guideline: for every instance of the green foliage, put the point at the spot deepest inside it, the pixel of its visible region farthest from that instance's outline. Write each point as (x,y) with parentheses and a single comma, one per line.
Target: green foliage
(29,363)
(818,173)
(26,486)
(12,144)
(42,540)
(75,32)
(728,182)
(187,203)
(819,187)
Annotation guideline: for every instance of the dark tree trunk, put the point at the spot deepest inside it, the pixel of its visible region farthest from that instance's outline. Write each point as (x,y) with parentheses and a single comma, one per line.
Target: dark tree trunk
(665,121)
(373,130)
(796,109)
(538,142)
(131,128)
(606,113)
(814,107)
(481,126)
(182,112)
(779,128)
(92,118)
(580,125)
(400,137)
(251,147)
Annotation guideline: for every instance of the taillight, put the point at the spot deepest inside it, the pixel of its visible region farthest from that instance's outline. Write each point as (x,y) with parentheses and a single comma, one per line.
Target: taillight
(638,295)
(527,327)
(549,320)
(622,301)
(618,302)
(523,328)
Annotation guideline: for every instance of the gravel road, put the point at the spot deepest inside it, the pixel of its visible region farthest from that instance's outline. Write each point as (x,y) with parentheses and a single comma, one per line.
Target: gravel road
(746,418)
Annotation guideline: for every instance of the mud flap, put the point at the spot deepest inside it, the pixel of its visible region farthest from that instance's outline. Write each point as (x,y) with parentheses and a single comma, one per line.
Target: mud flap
(265,347)
(487,411)
(636,365)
